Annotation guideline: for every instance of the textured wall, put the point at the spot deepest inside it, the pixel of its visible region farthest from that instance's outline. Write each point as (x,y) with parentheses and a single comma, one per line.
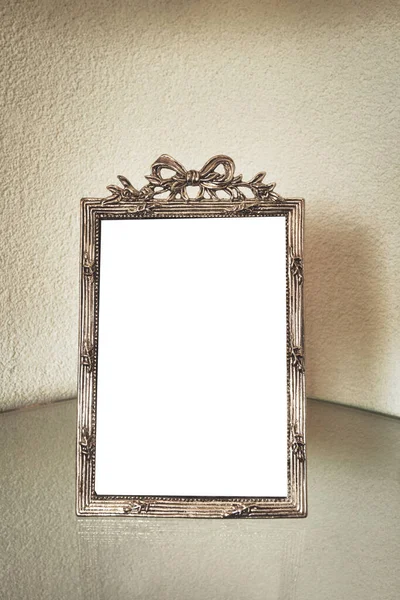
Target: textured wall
(305,89)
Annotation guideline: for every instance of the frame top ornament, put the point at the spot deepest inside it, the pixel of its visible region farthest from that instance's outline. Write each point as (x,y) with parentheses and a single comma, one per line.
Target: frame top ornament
(169,180)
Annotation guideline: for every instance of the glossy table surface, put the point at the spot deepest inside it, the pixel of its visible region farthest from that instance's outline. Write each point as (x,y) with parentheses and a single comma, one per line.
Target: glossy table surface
(347,548)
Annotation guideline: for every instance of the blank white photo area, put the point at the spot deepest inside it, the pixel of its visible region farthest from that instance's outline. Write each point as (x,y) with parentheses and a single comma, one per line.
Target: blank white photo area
(192,358)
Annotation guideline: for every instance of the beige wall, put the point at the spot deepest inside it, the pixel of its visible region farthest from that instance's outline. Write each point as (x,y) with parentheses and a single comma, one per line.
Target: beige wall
(307,90)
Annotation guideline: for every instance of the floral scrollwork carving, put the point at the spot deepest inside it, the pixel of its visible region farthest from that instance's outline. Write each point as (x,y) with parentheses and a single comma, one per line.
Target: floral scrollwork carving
(296,268)
(245,208)
(88,266)
(297,358)
(87,356)
(238,510)
(137,506)
(143,207)
(298,444)
(169,176)
(87,443)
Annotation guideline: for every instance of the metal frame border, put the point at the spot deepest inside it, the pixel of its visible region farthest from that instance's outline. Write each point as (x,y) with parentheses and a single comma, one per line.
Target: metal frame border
(219,195)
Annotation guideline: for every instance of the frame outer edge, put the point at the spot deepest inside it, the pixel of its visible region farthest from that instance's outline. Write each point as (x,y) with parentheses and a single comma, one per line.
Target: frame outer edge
(87,503)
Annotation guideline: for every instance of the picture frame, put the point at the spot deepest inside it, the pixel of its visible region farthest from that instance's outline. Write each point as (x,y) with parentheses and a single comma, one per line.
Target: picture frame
(208,199)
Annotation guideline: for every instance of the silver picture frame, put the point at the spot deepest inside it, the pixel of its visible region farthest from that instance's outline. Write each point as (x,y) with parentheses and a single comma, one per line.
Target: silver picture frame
(220,193)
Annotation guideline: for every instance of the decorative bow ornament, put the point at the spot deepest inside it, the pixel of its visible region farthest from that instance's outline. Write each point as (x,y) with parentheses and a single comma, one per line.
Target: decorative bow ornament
(168,175)
(207,179)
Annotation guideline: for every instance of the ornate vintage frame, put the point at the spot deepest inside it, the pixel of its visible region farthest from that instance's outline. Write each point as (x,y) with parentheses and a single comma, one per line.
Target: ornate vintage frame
(221,193)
